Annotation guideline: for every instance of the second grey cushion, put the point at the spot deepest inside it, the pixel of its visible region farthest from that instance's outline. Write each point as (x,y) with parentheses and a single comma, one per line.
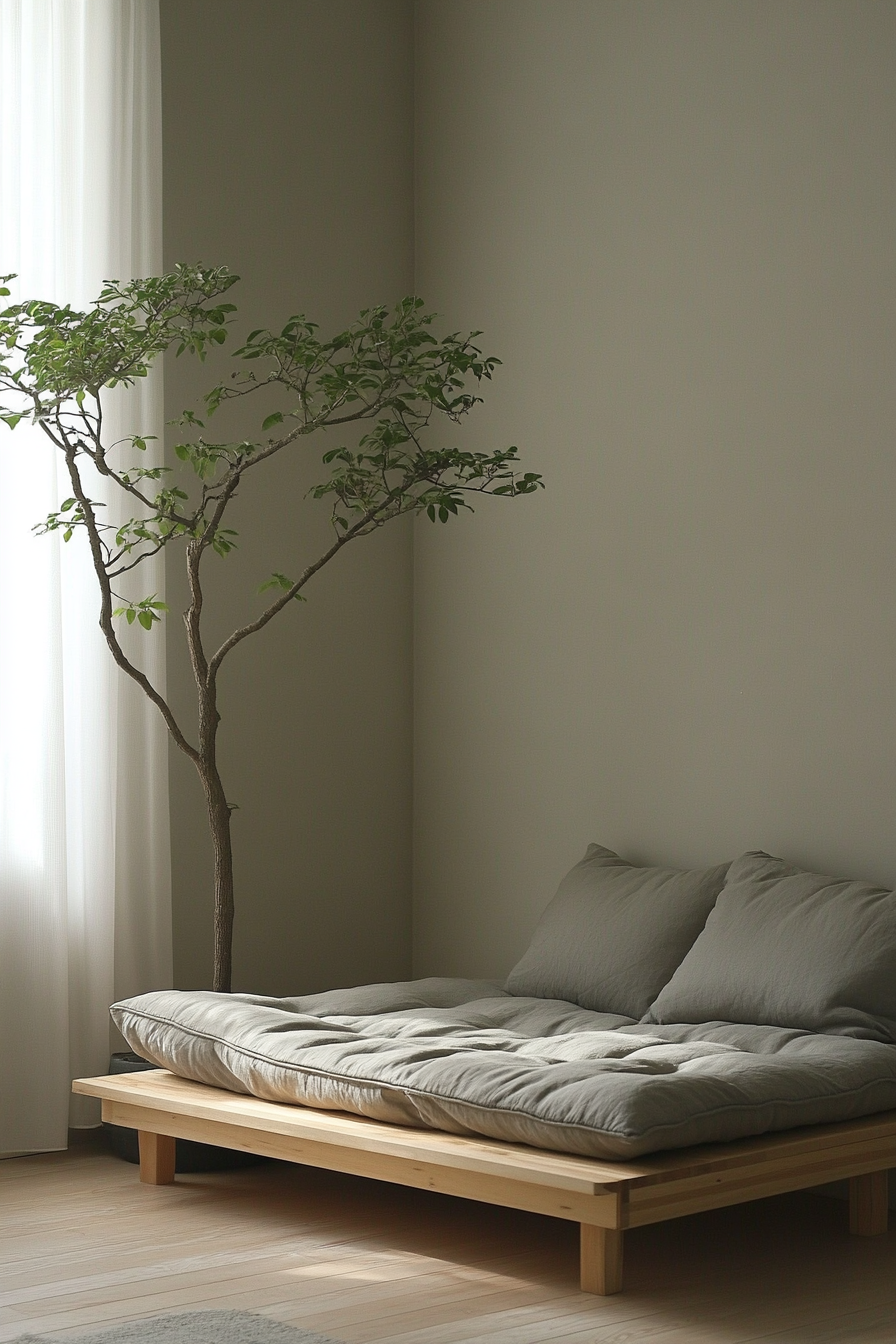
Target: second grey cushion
(614,933)
(791,949)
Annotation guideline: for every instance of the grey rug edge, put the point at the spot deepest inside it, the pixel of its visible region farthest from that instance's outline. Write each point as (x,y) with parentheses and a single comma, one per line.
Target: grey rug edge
(193,1327)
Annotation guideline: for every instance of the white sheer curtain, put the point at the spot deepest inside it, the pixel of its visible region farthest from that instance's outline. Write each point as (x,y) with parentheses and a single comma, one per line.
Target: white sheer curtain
(84,852)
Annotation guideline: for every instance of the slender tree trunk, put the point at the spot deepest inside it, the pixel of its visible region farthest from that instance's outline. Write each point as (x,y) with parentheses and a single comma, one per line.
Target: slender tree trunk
(219,825)
(206,762)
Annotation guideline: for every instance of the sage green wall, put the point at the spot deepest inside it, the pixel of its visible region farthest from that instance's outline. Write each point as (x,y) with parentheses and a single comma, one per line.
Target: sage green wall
(288,157)
(675,223)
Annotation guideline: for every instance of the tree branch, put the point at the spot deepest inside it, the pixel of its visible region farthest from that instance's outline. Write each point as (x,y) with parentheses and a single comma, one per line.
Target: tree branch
(250,629)
(105,622)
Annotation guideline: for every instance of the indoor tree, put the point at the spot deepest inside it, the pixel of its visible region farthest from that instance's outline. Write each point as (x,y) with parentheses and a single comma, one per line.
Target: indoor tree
(387,372)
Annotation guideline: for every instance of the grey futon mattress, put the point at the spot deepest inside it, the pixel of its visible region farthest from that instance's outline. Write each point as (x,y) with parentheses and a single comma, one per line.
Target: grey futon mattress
(467,1057)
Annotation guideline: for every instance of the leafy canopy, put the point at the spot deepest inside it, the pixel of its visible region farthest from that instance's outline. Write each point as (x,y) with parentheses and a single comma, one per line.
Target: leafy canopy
(388,369)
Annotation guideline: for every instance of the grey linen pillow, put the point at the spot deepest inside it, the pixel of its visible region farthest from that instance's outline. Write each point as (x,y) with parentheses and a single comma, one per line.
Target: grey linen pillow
(614,933)
(788,948)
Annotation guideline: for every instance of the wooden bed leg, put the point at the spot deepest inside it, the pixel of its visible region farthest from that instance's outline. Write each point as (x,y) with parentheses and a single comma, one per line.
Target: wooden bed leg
(601,1260)
(868,1199)
(156,1158)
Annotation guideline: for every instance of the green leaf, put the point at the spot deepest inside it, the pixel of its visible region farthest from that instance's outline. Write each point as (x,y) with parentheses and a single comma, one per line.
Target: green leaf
(188,418)
(146,619)
(276,581)
(276,418)
(12,420)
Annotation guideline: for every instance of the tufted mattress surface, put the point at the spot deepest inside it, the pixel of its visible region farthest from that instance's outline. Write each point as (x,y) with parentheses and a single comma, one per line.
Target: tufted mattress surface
(467,1057)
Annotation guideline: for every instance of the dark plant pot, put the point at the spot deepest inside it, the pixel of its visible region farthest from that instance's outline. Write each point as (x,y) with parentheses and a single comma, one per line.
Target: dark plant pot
(190,1156)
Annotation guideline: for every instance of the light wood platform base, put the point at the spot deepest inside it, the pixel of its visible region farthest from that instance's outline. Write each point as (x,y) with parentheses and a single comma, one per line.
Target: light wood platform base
(604,1197)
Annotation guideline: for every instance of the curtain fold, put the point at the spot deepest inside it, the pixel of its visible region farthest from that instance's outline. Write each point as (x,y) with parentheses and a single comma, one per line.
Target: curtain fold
(84,849)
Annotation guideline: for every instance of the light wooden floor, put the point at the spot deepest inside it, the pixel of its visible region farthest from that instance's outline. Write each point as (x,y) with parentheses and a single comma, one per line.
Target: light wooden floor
(84,1246)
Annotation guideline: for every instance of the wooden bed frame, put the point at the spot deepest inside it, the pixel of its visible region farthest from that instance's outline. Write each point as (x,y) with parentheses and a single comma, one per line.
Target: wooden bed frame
(604,1197)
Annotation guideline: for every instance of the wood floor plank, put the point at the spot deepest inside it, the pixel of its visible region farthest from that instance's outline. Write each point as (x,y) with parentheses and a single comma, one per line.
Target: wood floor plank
(83,1246)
